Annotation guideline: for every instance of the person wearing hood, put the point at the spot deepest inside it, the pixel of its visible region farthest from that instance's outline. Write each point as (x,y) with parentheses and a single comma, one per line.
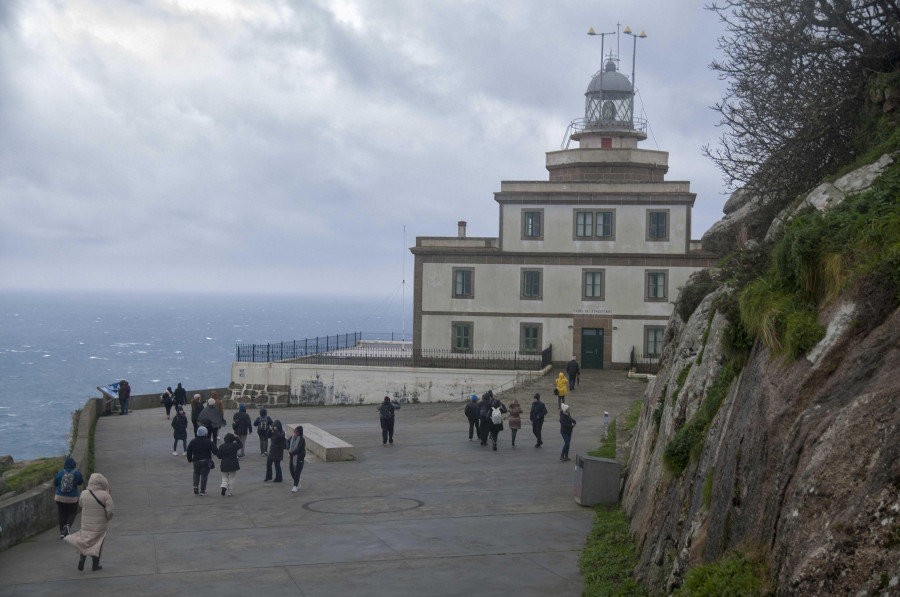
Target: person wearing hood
(179,396)
(211,418)
(566,426)
(228,454)
(538,412)
(484,417)
(179,427)
(96,511)
(276,452)
(472,414)
(498,409)
(196,409)
(386,415)
(167,399)
(66,482)
(562,387)
(263,424)
(124,392)
(572,371)
(199,452)
(515,420)
(241,424)
(297,455)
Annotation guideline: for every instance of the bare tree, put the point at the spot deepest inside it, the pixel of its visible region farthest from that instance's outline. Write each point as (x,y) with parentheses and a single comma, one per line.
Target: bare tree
(796,73)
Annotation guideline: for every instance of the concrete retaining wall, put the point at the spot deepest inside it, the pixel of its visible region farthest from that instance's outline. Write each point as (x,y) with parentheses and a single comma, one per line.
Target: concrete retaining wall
(142,401)
(34,511)
(287,384)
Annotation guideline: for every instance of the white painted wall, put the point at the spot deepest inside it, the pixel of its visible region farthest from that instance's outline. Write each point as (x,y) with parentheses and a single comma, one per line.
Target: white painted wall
(339,384)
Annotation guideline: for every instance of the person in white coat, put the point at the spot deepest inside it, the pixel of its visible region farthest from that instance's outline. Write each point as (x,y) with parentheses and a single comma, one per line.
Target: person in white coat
(96,511)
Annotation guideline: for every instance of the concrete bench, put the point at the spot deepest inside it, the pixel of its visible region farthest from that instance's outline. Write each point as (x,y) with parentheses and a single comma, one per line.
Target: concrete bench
(321,443)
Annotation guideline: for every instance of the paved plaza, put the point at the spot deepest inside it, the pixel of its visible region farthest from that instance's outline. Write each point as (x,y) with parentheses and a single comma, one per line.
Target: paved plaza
(433,514)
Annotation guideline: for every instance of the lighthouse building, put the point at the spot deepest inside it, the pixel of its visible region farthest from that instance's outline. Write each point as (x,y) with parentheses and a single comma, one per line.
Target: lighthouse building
(589,261)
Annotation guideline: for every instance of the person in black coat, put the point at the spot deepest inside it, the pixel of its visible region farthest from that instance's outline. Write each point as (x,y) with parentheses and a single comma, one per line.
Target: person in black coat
(196,409)
(386,414)
(572,372)
(242,425)
(566,426)
(538,412)
(498,409)
(179,424)
(200,452)
(167,399)
(263,424)
(472,415)
(228,454)
(179,396)
(276,452)
(297,455)
(484,417)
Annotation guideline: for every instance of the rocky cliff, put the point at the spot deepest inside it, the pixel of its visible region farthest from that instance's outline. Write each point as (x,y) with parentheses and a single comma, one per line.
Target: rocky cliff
(797,461)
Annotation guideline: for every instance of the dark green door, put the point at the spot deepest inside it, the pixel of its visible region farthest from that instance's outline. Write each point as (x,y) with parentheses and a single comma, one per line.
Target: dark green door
(592,348)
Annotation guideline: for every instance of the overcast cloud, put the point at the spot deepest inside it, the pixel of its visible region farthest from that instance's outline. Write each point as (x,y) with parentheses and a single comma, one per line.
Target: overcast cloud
(282,146)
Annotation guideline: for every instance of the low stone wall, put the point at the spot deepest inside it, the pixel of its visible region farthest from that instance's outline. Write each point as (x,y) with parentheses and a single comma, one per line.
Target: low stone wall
(34,511)
(292,384)
(143,401)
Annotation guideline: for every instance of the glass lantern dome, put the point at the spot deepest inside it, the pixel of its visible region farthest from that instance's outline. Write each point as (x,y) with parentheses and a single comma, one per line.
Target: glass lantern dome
(609,100)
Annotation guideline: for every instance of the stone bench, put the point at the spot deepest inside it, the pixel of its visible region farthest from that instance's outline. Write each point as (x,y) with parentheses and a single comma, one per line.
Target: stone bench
(321,443)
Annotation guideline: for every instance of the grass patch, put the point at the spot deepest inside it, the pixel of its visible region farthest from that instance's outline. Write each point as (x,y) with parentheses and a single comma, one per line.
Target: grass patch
(679,381)
(633,415)
(707,488)
(734,575)
(607,447)
(608,558)
(34,474)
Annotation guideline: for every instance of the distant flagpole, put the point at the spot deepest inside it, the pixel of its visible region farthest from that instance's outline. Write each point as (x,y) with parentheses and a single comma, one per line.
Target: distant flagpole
(403,291)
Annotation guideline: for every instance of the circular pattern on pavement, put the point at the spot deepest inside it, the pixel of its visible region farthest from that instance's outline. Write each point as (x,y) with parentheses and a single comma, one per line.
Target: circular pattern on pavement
(363,505)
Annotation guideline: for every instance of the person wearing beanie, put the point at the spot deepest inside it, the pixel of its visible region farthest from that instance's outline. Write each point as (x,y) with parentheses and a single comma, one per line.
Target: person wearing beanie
(228,454)
(263,424)
(297,455)
(276,453)
(241,424)
(472,415)
(66,482)
(538,412)
(566,426)
(179,426)
(484,418)
(498,409)
(386,415)
(196,409)
(211,418)
(199,452)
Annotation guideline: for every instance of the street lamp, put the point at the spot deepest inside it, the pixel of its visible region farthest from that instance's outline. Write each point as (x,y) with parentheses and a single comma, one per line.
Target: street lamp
(642,35)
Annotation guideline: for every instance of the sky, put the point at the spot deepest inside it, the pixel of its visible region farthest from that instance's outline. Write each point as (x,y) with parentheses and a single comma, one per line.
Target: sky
(299,147)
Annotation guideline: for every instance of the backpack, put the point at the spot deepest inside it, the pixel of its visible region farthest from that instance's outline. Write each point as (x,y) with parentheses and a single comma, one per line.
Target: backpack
(263,424)
(67,483)
(387,412)
(496,416)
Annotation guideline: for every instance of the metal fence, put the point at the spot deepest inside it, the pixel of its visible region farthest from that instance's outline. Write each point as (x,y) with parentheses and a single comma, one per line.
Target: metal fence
(645,363)
(346,349)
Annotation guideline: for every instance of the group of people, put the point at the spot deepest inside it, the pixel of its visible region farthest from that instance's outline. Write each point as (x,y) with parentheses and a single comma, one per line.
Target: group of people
(208,419)
(486,418)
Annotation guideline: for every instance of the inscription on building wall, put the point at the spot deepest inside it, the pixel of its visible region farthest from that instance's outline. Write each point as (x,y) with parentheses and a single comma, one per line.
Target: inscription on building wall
(592,312)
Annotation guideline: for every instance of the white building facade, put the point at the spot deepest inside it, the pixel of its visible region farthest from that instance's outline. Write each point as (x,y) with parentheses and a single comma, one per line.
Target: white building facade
(589,262)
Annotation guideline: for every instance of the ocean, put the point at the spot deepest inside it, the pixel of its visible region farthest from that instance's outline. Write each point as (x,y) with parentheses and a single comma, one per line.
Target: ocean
(56,348)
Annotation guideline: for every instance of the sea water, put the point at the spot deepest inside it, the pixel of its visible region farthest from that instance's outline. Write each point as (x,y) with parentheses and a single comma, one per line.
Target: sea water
(56,348)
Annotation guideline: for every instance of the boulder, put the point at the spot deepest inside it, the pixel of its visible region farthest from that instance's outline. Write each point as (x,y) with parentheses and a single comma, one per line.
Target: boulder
(6,460)
(862,178)
(738,199)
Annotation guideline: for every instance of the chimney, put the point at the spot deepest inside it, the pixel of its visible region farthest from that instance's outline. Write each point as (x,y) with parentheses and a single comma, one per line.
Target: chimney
(462,228)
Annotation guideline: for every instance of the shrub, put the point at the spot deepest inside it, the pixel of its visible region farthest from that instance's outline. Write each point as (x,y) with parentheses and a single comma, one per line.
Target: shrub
(735,575)
(34,474)
(608,558)
(700,285)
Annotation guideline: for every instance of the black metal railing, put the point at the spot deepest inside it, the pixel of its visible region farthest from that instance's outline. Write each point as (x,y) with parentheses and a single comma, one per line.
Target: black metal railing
(645,363)
(347,349)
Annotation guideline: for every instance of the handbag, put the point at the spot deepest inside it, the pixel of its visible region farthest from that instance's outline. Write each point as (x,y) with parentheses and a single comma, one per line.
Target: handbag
(212,464)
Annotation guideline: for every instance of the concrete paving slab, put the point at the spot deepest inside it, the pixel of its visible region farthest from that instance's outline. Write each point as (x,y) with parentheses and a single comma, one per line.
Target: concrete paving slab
(432,514)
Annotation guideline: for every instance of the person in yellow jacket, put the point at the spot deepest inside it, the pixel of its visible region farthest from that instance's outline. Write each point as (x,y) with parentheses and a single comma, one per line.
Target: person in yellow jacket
(562,387)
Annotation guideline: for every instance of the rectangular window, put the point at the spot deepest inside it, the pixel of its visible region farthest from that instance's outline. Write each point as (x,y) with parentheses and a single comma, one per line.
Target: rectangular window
(530,337)
(462,336)
(604,224)
(531,225)
(584,224)
(462,283)
(653,340)
(658,225)
(593,285)
(656,286)
(531,284)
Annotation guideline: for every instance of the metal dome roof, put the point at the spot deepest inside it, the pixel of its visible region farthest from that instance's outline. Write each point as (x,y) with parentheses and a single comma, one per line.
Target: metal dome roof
(609,80)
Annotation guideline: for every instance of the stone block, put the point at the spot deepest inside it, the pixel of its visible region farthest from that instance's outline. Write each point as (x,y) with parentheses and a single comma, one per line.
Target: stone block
(322,444)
